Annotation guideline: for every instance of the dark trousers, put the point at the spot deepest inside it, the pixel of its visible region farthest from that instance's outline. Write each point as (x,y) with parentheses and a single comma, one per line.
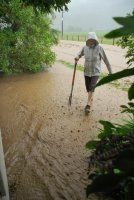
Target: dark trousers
(90,83)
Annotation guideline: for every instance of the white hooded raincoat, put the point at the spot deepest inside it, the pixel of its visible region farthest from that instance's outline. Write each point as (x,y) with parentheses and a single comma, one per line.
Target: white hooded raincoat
(93,56)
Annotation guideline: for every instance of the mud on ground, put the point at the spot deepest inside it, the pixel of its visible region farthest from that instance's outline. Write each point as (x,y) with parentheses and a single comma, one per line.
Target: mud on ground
(44,139)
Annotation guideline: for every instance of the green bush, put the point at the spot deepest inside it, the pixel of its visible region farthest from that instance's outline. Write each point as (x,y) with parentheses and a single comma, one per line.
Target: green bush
(26,38)
(111,161)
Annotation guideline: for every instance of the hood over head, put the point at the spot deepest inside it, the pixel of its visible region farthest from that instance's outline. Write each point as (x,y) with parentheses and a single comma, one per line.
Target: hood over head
(92,35)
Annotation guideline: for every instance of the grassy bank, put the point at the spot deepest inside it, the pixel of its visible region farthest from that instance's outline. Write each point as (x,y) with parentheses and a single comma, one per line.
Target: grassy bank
(117,84)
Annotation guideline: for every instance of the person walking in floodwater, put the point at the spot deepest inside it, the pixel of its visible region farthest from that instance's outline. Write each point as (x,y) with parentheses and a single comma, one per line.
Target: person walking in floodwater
(93,54)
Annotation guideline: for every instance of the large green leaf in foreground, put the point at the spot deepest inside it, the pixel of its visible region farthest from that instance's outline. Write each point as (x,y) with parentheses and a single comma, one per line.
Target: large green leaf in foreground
(122,74)
(126,29)
(112,77)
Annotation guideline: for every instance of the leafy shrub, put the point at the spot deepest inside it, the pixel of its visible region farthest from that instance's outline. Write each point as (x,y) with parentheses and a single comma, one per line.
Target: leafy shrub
(26,38)
(111,161)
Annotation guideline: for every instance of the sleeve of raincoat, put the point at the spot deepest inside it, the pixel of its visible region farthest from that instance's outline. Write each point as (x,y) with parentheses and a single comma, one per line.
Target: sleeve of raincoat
(81,53)
(105,59)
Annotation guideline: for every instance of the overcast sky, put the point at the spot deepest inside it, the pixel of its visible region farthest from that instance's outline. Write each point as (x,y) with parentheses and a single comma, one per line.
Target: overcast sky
(92,15)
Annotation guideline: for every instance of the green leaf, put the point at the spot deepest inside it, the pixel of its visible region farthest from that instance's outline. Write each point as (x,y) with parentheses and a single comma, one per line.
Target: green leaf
(107,125)
(131,92)
(127,29)
(128,111)
(91,144)
(125,21)
(131,104)
(123,106)
(119,32)
(125,128)
(115,76)
(117,171)
(46,6)
(107,129)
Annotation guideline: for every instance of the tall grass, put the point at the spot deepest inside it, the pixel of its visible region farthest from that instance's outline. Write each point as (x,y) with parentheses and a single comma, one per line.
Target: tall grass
(80,67)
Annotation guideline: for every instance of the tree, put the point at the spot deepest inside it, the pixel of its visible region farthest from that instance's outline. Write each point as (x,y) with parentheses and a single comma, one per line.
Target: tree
(25,38)
(44,5)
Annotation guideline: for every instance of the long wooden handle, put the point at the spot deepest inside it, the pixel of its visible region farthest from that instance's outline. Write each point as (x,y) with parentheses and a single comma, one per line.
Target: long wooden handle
(70,97)
(74,74)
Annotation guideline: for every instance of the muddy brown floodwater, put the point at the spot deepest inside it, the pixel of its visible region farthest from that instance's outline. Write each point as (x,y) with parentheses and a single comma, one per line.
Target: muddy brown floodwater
(44,139)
